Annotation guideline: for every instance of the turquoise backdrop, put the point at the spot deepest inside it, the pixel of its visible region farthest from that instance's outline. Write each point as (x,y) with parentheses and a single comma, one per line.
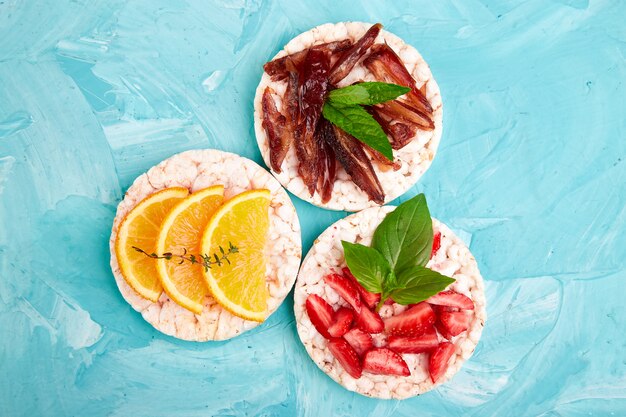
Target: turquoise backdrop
(531,173)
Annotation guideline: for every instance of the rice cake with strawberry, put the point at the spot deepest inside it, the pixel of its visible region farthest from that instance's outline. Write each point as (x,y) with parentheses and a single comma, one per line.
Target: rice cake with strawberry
(379,181)
(455,317)
(197,170)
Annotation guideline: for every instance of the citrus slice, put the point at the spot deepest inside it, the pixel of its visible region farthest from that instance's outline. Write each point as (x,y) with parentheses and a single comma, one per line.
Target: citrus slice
(239,284)
(140,228)
(180,234)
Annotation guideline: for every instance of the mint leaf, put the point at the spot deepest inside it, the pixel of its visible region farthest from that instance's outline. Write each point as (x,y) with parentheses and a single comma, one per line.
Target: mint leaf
(354,120)
(405,236)
(367,93)
(418,284)
(367,265)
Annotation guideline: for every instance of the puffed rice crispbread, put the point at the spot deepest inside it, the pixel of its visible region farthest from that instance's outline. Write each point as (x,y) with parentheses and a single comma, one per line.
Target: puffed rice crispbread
(415,158)
(326,256)
(195,170)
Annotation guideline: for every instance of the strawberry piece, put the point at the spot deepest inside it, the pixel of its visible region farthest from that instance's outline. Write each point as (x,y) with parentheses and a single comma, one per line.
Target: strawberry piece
(345,289)
(412,322)
(369,321)
(453,323)
(359,340)
(451,299)
(346,356)
(439,359)
(414,344)
(436,243)
(441,309)
(369,298)
(341,322)
(389,301)
(383,361)
(320,313)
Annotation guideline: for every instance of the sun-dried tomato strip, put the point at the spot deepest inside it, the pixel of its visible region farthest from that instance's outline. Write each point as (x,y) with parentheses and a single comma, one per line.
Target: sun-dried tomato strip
(349,59)
(274,124)
(277,69)
(352,157)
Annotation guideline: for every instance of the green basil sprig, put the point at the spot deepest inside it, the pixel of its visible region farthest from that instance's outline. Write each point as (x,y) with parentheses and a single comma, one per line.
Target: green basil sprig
(367,93)
(343,108)
(395,264)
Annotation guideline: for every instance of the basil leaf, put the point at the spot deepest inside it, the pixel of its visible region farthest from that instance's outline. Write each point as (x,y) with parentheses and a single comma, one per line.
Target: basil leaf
(367,265)
(367,93)
(360,124)
(389,285)
(418,284)
(405,236)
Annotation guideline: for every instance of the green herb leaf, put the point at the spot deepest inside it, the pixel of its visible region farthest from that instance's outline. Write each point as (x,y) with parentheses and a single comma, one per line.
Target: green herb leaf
(367,265)
(395,264)
(418,283)
(390,284)
(405,236)
(367,93)
(354,120)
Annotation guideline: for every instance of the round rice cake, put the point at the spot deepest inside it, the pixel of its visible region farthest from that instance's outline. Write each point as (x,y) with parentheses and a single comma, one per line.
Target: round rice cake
(195,170)
(326,256)
(415,158)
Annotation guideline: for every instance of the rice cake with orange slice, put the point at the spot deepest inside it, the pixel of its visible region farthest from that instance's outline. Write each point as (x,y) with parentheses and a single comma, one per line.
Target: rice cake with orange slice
(197,170)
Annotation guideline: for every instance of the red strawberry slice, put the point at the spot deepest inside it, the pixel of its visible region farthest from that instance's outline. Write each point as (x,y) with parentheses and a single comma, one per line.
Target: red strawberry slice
(346,356)
(359,340)
(441,309)
(320,313)
(367,297)
(345,289)
(414,344)
(451,299)
(412,322)
(439,359)
(383,361)
(341,323)
(369,321)
(453,323)
(436,243)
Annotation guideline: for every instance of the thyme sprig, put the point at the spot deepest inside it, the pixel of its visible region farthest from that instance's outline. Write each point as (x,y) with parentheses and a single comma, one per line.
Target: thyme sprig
(206,260)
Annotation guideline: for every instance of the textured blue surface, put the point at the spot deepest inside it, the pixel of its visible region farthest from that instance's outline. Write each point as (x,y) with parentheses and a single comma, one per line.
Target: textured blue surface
(531,172)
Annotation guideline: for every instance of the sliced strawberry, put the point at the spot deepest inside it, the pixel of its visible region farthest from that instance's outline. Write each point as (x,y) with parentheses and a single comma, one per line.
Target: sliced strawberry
(346,290)
(346,356)
(389,301)
(341,322)
(383,361)
(453,323)
(369,321)
(359,340)
(367,297)
(412,322)
(414,344)
(439,359)
(320,313)
(441,309)
(451,299)
(436,243)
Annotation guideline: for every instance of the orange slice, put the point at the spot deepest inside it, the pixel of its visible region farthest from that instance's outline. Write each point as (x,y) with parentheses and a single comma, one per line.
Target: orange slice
(180,234)
(140,229)
(239,286)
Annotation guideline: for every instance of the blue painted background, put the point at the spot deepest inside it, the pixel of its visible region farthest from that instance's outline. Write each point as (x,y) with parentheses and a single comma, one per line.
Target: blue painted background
(531,172)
